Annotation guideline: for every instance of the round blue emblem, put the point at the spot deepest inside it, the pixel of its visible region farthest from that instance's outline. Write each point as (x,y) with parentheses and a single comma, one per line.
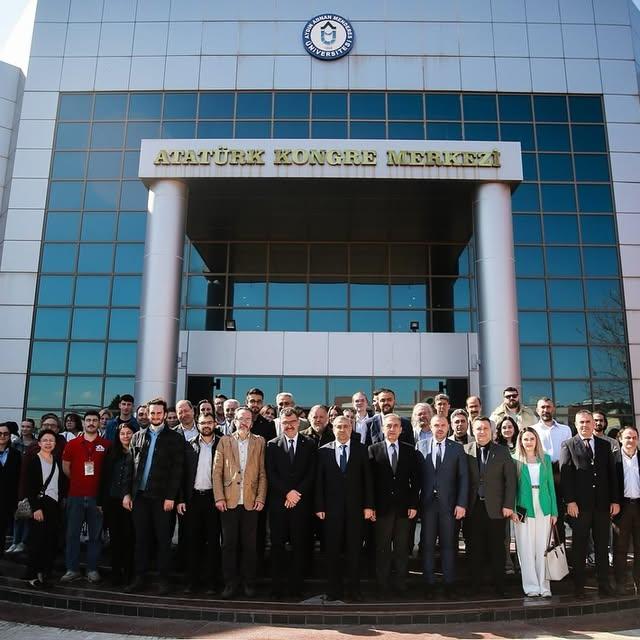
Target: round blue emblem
(328,36)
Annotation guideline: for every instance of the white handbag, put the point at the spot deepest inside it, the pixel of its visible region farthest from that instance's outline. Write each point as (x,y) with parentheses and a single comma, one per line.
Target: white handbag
(555,557)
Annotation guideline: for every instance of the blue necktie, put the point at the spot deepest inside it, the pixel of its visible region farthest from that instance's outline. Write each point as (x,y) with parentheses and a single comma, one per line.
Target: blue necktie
(343,458)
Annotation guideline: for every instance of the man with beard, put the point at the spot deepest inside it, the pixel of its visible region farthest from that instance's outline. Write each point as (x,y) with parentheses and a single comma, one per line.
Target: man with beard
(600,430)
(512,407)
(320,430)
(386,400)
(218,409)
(460,427)
(473,407)
(421,422)
(261,426)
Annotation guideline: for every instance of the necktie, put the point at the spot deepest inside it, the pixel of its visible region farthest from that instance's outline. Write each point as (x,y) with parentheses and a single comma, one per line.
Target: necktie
(292,452)
(587,446)
(394,458)
(439,456)
(343,458)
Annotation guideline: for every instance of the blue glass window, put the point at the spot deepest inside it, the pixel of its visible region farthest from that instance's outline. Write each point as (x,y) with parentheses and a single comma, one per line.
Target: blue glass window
(290,129)
(568,328)
(525,198)
(249,294)
(406,131)
(534,362)
(570,362)
(405,106)
(116,386)
(329,105)
(444,131)
(588,137)
(124,324)
(531,293)
(86,357)
(534,389)
(597,229)
(95,258)
(600,261)
(55,290)
(291,105)
(253,129)
(52,323)
(72,135)
(408,296)
(216,105)
(65,195)
(134,195)
(368,130)
(59,258)
(606,328)
(98,226)
(325,320)
(560,229)
(254,105)
(249,319)
(89,324)
(84,391)
(69,164)
(479,107)
(553,137)
(563,261)
(592,168)
(62,226)
(372,296)
(329,130)
(197,292)
(526,229)
(328,294)
(595,198)
(195,319)
(102,195)
(529,166)
(451,322)
(603,294)
(550,108)
(107,135)
(75,106)
(221,129)
(287,294)
(609,362)
(558,197)
(132,225)
(121,358)
(368,106)
(573,393)
(137,131)
(522,133)
(45,391)
(401,321)
(281,320)
(105,164)
(529,261)
(445,106)
(450,293)
(179,129)
(126,291)
(370,321)
(565,294)
(110,106)
(585,108)
(129,258)
(145,106)
(555,167)
(49,357)
(533,327)
(515,108)
(484,131)
(92,290)
(179,106)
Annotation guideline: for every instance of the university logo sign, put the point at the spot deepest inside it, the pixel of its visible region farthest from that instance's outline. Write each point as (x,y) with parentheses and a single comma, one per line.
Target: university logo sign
(327,36)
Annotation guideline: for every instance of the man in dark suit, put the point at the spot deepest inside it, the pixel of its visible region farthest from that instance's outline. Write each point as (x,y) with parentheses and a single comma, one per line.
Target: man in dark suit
(320,430)
(10,461)
(626,526)
(396,480)
(291,467)
(590,490)
(261,426)
(492,495)
(445,491)
(386,402)
(344,500)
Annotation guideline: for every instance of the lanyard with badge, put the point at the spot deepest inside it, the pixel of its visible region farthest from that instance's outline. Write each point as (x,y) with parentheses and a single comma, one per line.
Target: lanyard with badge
(89,465)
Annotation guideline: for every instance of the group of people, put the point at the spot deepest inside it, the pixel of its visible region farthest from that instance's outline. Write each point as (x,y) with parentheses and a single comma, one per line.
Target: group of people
(233,475)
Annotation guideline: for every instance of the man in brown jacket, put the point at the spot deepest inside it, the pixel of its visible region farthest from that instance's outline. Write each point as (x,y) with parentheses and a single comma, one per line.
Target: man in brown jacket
(240,490)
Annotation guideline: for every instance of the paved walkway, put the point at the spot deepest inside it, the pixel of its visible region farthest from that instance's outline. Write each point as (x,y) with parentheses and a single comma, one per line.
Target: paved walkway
(52,624)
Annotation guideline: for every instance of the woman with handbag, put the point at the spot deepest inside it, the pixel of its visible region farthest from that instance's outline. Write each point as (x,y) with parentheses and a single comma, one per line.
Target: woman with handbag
(44,490)
(536,511)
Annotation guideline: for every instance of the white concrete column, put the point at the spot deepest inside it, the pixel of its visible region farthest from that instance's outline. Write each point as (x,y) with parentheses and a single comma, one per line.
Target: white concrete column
(156,369)
(497,303)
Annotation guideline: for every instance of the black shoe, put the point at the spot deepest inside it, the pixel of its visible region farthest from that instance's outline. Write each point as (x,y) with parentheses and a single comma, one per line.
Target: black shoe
(450,592)
(605,590)
(211,591)
(163,588)
(331,597)
(136,586)
(354,596)
(499,592)
(579,593)
(276,594)
(189,588)
(249,591)
(228,592)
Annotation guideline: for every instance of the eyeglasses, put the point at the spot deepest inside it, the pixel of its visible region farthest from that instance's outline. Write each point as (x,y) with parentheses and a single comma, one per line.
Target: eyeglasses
(4,434)
(510,396)
(244,420)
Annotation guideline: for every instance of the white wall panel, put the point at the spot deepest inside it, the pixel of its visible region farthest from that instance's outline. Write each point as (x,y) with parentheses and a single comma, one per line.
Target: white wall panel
(305,354)
(24,224)
(12,387)
(16,322)
(218,72)
(39,105)
(15,356)
(17,288)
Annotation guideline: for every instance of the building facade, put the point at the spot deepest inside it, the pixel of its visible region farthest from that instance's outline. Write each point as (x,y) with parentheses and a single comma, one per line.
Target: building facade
(325,286)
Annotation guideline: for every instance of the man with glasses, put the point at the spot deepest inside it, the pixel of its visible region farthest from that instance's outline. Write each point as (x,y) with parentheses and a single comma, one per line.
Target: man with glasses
(360,404)
(261,426)
(240,491)
(513,408)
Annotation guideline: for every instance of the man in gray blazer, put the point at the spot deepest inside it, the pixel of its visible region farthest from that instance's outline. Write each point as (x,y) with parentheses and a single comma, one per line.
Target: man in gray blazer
(492,494)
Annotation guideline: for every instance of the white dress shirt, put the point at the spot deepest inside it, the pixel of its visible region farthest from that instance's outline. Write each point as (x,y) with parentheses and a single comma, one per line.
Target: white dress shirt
(395,444)
(552,437)
(361,427)
(339,451)
(435,451)
(631,477)
(203,472)
(287,440)
(189,434)
(243,452)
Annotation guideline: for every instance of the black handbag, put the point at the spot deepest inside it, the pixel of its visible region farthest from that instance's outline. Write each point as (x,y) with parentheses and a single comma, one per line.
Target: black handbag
(23,510)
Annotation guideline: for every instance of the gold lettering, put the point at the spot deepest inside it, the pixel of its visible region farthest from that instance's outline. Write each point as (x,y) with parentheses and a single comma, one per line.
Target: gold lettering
(334,157)
(485,159)
(396,158)
(190,157)
(300,156)
(317,156)
(162,157)
(416,158)
(237,156)
(369,157)
(255,156)
(469,159)
(496,163)
(204,156)
(351,156)
(434,159)
(282,156)
(451,158)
